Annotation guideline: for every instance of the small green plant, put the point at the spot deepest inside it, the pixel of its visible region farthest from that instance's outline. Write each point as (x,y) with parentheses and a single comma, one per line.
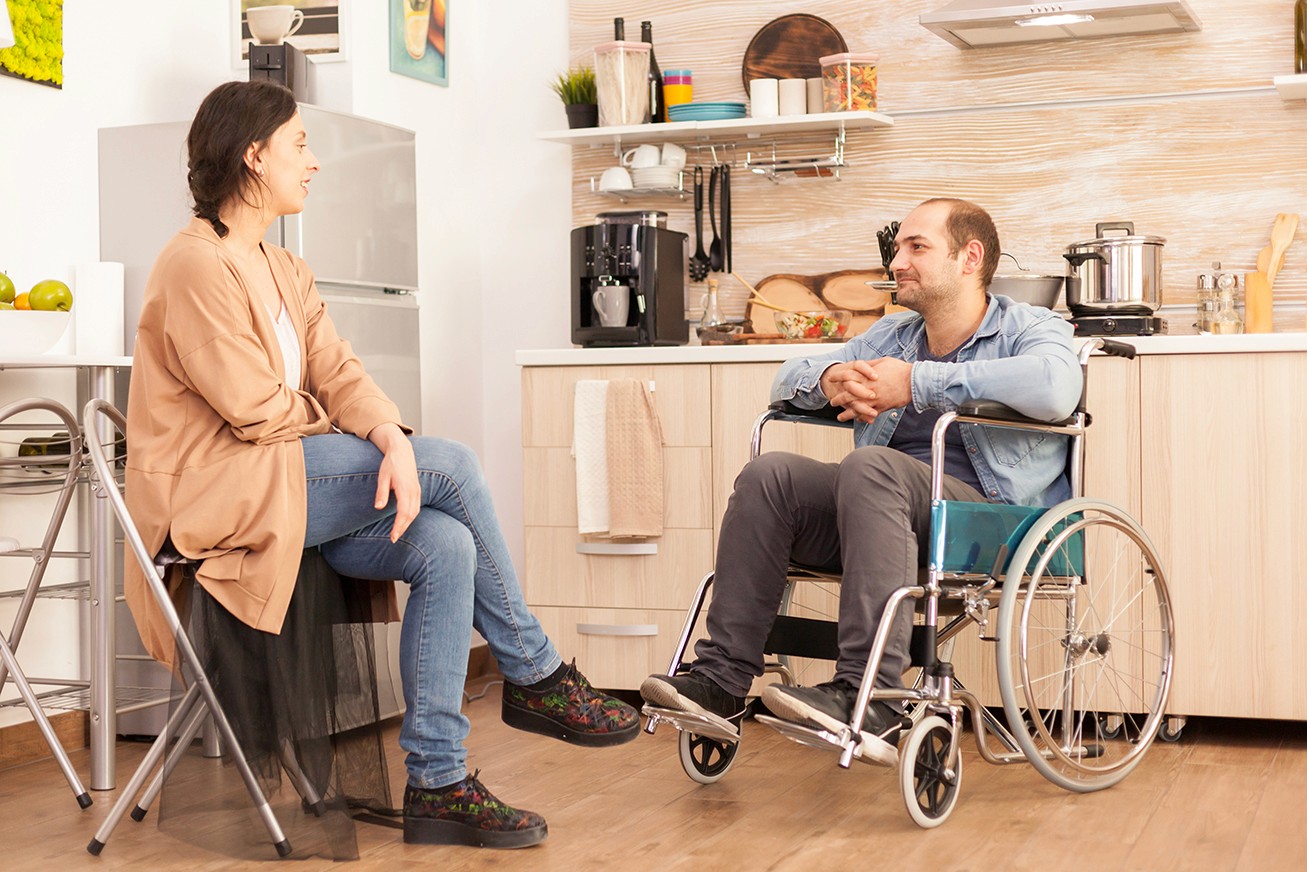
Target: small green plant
(576,86)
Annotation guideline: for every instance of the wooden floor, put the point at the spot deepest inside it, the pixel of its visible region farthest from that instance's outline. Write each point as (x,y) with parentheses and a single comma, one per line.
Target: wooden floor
(1229,795)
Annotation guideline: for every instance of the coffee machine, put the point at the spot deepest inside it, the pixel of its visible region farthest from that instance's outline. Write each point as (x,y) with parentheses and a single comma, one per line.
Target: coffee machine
(628,285)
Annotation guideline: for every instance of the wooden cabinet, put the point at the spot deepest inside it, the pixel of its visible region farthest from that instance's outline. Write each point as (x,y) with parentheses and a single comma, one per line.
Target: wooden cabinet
(1224,477)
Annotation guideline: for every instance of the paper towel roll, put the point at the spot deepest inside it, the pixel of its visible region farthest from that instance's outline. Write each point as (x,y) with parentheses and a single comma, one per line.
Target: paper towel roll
(98,308)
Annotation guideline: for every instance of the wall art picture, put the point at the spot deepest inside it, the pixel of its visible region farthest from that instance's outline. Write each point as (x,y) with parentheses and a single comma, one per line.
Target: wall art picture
(37,54)
(418,42)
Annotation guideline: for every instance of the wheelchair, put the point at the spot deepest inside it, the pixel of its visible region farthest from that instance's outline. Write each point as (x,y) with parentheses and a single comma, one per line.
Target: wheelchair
(1073,596)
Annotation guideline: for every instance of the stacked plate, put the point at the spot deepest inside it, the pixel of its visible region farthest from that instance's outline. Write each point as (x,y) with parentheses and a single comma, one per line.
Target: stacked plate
(656,177)
(705,111)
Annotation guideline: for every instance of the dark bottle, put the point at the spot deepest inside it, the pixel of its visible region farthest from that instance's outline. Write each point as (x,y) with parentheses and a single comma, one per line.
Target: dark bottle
(1300,36)
(657,105)
(619,29)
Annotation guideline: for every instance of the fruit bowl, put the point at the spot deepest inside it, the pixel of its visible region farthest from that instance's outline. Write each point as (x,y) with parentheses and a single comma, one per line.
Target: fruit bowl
(25,332)
(832,324)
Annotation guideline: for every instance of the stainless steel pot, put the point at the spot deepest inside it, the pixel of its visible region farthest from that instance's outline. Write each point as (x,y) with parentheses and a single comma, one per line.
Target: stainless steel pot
(1029,288)
(1120,275)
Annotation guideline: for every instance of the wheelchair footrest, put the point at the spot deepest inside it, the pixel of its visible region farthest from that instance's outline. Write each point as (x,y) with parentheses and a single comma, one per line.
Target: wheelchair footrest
(689,722)
(814,737)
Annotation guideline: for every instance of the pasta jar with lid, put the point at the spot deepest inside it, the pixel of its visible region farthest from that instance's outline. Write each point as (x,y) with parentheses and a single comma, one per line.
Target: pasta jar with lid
(848,82)
(622,82)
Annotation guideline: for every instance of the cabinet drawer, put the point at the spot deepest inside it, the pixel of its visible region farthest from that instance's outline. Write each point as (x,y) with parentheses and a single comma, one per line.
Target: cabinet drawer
(616,648)
(680,395)
(556,575)
(549,487)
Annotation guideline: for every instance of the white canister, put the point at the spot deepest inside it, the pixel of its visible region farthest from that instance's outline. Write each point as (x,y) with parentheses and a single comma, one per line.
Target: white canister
(814,95)
(764,98)
(98,308)
(793,97)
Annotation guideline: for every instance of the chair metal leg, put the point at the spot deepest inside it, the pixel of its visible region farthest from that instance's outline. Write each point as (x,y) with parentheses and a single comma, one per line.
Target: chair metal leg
(152,758)
(303,786)
(43,723)
(212,747)
(170,761)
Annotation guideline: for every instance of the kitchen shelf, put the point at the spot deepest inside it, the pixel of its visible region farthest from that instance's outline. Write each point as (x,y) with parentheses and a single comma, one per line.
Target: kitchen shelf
(1292,87)
(748,128)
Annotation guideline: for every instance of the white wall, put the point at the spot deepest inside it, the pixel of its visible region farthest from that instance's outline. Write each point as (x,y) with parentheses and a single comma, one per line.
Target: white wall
(494,202)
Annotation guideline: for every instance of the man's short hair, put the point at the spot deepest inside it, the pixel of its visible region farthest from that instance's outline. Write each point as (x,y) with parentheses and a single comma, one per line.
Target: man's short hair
(967,221)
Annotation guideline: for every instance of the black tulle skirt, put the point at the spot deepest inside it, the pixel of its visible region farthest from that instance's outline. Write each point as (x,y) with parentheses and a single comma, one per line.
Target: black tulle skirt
(304,707)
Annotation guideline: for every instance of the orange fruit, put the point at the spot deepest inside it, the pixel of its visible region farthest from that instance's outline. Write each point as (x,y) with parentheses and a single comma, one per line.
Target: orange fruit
(20,302)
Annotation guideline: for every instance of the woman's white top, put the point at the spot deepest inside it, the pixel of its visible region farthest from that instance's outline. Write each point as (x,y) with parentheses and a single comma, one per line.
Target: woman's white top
(289,341)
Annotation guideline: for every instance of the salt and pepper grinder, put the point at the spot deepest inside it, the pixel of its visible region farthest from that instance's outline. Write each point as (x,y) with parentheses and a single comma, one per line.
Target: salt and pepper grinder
(1226,318)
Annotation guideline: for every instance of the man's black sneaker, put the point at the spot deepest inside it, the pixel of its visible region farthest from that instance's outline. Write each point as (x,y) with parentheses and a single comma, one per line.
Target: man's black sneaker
(829,707)
(695,693)
(467,814)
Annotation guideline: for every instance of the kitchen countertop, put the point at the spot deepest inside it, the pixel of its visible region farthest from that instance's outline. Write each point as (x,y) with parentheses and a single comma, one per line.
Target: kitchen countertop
(1183,344)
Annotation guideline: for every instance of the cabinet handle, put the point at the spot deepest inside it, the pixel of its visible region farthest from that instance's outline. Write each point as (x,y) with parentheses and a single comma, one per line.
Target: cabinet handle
(617,548)
(617,629)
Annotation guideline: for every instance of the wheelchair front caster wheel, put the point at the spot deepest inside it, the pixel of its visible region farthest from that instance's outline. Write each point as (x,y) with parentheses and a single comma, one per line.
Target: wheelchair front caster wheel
(1171,729)
(706,760)
(930,787)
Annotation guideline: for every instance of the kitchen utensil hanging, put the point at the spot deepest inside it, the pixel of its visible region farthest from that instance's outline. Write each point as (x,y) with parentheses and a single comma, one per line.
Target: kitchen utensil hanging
(716,257)
(726,214)
(698,265)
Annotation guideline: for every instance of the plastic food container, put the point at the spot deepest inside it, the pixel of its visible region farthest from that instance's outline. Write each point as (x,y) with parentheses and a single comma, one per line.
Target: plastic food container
(848,82)
(622,82)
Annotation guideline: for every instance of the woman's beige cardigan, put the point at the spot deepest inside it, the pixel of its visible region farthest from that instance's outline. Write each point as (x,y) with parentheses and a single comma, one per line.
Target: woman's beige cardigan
(213,434)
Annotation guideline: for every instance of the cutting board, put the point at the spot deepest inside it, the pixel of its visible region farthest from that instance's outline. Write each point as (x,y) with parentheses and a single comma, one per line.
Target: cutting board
(790,48)
(844,289)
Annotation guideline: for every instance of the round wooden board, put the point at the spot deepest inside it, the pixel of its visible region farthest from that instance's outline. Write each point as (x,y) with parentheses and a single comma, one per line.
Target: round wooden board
(790,47)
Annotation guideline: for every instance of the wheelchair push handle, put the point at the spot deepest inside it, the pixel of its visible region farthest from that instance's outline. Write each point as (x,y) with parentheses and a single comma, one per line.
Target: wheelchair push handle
(1115,349)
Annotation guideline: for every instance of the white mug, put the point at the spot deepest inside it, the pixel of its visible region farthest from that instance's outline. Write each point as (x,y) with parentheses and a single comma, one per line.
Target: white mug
(616,179)
(613,303)
(673,155)
(793,97)
(642,156)
(270,25)
(764,98)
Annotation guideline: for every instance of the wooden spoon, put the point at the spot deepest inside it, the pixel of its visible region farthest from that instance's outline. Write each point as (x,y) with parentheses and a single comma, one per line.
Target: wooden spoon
(1286,225)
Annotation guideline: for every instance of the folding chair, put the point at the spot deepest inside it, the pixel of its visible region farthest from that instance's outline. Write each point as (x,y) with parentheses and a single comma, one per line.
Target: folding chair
(9,668)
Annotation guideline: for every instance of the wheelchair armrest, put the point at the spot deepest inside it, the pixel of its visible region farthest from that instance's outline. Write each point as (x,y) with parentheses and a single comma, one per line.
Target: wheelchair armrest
(996,411)
(827,415)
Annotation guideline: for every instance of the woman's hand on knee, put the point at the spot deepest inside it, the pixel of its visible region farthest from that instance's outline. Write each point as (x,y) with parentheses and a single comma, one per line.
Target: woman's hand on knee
(398,474)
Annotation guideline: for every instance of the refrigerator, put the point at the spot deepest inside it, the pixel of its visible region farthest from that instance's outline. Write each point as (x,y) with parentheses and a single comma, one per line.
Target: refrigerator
(358,233)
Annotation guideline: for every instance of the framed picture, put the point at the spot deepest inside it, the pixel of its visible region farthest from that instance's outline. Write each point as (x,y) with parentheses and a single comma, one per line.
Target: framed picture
(34,40)
(320,36)
(418,43)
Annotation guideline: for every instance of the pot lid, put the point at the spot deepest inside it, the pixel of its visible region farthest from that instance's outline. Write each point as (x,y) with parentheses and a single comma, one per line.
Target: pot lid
(1118,242)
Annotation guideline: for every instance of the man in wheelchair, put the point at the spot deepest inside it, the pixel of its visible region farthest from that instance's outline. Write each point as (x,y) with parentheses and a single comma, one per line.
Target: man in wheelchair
(868,516)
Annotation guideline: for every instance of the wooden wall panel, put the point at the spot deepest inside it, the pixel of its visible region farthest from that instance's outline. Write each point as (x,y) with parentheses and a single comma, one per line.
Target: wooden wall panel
(1207,171)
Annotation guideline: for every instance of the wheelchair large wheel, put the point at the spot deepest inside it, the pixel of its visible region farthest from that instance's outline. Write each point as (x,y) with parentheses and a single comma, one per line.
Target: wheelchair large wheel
(1085,629)
(706,760)
(930,787)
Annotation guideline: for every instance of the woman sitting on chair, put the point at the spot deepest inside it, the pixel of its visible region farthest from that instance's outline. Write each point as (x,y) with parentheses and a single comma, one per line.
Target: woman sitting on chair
(256,433)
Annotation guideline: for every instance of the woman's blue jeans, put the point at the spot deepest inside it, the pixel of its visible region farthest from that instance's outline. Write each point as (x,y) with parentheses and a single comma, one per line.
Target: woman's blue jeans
(455,561)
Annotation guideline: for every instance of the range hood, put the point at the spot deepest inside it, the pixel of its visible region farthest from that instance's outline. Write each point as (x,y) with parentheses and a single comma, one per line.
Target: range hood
(977,23)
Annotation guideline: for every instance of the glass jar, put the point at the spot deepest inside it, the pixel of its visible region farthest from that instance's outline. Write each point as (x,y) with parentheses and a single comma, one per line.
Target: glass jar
(622,82)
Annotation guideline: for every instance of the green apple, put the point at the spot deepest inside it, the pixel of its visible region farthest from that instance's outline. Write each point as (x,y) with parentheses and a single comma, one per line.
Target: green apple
(4,305)
(7,289)
(50,295)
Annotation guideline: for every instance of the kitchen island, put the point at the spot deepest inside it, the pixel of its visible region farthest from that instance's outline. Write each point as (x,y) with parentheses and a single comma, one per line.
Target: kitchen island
(1201,438)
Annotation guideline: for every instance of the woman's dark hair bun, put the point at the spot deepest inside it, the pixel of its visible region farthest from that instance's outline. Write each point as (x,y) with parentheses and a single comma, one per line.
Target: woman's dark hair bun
(232,117)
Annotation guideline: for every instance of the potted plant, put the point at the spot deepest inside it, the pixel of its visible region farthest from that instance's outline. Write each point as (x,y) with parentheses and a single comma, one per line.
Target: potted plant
(576,88)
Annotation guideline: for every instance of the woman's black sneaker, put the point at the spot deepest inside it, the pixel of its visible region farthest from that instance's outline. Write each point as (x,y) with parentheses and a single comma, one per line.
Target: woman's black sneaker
(467,814)
(566,707)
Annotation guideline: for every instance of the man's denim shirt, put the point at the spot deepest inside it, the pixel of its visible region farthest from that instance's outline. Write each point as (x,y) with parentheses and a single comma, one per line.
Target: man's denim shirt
(1020,356)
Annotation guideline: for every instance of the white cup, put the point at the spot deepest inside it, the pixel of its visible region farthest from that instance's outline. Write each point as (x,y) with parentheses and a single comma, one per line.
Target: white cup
(613,304)
(642,156)
(764,98)
(673,155)
(616,179)
(793,97)
(270,25)
(814,95)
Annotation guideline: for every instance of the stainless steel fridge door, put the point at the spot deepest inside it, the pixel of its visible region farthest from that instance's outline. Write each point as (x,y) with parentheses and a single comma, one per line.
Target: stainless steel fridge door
(383,329)
(359,225)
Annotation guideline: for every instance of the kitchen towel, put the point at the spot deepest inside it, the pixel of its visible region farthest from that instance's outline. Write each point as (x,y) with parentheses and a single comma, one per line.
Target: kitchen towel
(635,461)
(98,308)
(590,448)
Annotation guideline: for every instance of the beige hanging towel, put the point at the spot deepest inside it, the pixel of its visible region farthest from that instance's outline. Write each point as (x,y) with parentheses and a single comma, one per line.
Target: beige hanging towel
(635,461)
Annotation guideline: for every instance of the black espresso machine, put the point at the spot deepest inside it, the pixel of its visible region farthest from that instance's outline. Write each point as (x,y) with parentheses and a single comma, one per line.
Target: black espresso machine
(635,269)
